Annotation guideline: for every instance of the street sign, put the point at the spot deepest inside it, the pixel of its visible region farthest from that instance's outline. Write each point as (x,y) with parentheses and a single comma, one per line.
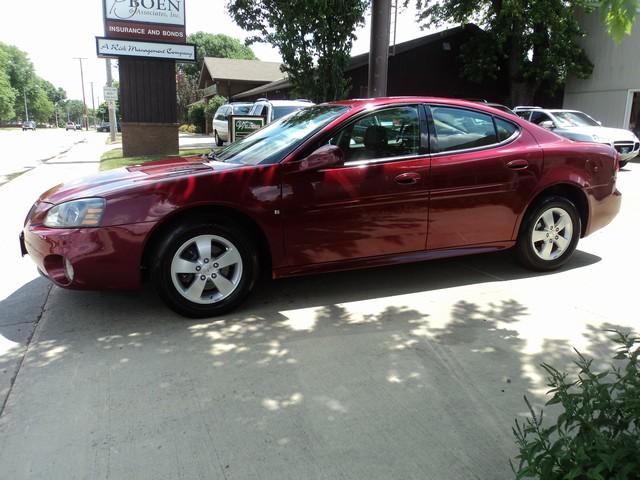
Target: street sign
(110,94)
(241,126)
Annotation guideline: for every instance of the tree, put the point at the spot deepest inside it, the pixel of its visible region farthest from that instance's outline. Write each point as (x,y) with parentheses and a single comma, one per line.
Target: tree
(188,74)
(619,16)
(18,71)
(314,38)
(7,93)
(74,110)
(210,45)
(534,42)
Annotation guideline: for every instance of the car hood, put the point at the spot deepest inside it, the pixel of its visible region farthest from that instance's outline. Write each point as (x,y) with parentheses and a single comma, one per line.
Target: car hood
(109,183)
(605,134)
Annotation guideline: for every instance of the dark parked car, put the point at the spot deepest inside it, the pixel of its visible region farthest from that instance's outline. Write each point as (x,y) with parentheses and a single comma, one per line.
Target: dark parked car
(106,127)
(337,186)
(30,125)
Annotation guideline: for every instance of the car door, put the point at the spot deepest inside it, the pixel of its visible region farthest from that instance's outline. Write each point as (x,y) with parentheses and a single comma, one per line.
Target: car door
(374,204)
(483,171)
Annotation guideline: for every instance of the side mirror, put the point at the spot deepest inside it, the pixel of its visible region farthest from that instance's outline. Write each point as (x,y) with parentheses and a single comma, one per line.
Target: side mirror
(324,157)
(548,124)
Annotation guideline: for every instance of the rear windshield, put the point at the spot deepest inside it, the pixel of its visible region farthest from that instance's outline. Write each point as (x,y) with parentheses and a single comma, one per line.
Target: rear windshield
(279,112)
(241,109)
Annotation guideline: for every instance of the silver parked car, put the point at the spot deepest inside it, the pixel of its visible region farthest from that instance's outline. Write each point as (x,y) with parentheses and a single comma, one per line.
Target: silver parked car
(274,109)
(221,120)
(580,127)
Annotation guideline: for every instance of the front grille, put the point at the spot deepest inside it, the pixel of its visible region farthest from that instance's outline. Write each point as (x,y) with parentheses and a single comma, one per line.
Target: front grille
(625,147)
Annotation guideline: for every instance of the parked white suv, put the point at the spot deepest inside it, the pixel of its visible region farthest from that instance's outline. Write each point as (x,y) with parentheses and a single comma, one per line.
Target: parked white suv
(221,120)
(581,127)
(274,109)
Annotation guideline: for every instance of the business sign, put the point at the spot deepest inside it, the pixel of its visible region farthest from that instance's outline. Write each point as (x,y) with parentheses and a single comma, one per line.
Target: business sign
(155,20)
(159,12)
(112,48)
(241,126)
(110,94)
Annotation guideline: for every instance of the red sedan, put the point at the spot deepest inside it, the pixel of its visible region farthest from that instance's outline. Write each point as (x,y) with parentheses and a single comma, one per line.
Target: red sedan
(336,186)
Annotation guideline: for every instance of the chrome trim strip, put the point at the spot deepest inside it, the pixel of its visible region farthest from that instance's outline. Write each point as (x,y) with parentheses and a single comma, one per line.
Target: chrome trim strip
(512,138)
(357,163)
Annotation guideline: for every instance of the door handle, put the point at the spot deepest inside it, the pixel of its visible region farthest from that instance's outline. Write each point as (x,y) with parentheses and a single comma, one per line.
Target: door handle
(517,164)
(409,178)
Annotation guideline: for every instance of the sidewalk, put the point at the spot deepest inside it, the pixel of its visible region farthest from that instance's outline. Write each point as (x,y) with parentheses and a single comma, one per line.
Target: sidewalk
(23,307)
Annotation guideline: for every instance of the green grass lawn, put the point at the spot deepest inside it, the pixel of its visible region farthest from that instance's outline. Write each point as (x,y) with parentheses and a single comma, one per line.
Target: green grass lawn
(114,159)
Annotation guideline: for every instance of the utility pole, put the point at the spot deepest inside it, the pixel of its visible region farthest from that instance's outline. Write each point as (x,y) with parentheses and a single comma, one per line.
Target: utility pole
(26,110)
(84,101)
(112,106)
(379,50)
(93,105)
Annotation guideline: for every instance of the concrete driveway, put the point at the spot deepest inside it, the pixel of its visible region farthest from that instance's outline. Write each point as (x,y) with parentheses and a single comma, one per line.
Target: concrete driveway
(415,371)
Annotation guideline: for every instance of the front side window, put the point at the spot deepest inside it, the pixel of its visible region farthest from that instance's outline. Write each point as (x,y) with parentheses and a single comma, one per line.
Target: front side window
(392,132)
(460,129)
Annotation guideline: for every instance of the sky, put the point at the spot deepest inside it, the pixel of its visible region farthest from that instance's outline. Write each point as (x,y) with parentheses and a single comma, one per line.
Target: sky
(54,32)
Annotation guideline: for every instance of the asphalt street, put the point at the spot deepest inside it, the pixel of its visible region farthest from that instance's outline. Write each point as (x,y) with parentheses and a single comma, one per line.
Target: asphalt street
(414,371)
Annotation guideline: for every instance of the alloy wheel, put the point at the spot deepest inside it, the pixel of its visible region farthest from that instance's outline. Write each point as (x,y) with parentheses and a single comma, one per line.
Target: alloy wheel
(552,234)
(206,269)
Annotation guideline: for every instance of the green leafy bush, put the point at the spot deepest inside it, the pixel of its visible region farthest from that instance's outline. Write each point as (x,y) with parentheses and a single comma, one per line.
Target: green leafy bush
(188,128)
(196,116)
(597,435)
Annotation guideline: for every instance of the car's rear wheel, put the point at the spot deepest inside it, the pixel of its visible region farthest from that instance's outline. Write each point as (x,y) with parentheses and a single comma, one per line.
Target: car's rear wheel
(204,270)
(217,139)
(622,163)
(549,234)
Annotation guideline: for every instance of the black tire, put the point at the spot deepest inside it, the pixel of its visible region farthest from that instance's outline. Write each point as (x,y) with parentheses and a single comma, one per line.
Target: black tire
(217,139)
(163,279)
(623,163)
(529,253)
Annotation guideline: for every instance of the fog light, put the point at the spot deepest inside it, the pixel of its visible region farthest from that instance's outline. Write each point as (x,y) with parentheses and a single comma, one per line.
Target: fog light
(68,269)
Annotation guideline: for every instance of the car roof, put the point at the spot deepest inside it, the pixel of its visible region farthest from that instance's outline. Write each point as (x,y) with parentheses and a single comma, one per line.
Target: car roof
(365,102)
(286,103)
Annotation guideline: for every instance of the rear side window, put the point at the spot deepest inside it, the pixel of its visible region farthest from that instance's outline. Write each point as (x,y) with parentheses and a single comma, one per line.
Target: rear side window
(539,117)
(524,114)
(505,129)
(460,129)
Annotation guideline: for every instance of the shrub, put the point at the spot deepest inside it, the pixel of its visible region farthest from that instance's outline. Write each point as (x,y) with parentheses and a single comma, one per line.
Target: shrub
(196,116)
(188,128)
(597,435)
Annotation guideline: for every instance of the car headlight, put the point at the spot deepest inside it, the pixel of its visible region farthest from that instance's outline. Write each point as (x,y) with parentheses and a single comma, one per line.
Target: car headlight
(86,212)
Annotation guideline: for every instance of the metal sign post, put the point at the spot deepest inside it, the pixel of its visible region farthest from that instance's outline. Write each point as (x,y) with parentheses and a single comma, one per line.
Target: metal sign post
(113,126)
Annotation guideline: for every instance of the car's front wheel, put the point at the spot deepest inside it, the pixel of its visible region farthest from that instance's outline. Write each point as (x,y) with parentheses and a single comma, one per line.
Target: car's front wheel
(623,163)
(205,269)
(549,234)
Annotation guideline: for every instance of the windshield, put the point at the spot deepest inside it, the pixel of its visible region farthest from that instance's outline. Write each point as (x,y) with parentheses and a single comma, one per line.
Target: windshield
(575,119)
(273,142)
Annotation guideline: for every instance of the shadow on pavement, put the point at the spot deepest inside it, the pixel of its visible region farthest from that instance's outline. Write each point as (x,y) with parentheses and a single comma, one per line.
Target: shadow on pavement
(347,375)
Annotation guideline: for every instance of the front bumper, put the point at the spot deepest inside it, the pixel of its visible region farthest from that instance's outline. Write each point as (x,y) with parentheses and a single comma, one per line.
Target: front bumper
(88,258)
